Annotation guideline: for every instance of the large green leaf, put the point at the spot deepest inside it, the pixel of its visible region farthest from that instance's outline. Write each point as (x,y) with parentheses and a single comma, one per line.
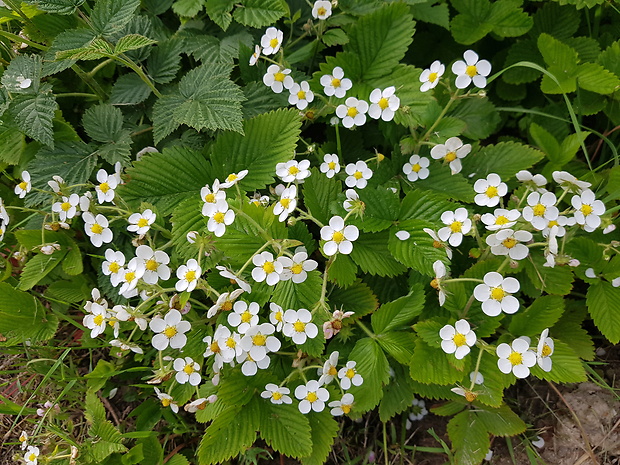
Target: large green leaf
(398,394)
(470,440)
(373,366)
(60,7)
(566,366)
(543,313)
(357,298)
(111,16)
(371,254)
(33,114)
(418,251)
(324,430)
(219,12)
(23,317)
(501,421)
(399,312)
(285,429)
(557,280)
(604,306)
(505,159)
(430,366)
(319,192)
(260,13)
(38,267)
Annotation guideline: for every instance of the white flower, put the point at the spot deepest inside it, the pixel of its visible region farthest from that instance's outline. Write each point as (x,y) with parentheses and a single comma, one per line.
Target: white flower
(352,112)
(97,229)
(85,201)
(489,190)
(267,268)
(358,174)
(470,70)
(352,198)
(106,186)
(276,394)
(609,229)
(96,320)
(457,339)
(588,209)
(24,186)
(440,272)
(250,366)
(516,358)
(534,181)
(297,268)
(232,179)
(188,275)
(139,156)
(258,341)
(224,302)
(23,438)
(293,171)
(457,224)
(49,249)
(342,406)
(312,396)
(322,9)
(278,78)
(131,275)
(169,330)
(544,351)
(568,182)
(500,219)
(417,168)
(338,236)
(4,219)
(430,76)
(226,273)
(383,104)
(329,370)
(419,410)
(140,223)
(126,346)
(31,455)
(298,325)
(438,243)
(222,216)
(244,316)
(336,84)
(508,242)
(224,345)
(187,370)
(348,376)
(67,208)
(330,165)
(276,316)
(476,377)
(271,41)
(496,294)
(199,404)
(451,152)
(155,264)
(211,198)
(540,209)
(300,95)
(255,56)
(167,400)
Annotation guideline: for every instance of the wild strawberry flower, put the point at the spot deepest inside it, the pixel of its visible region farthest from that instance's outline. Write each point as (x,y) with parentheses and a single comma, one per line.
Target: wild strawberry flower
(438,243)
(31,456)
(276,394)
(278,78)
(244,316)
(300,95)
(457,224)
(312,396)
(334,325)
(430,76)
(416,168)
(535,182)
(330,165)
(224,344)
(23,438)
(544,350)
(352,198)
(249,366)
(508,242)
(500,219)
(496,294)
(155,264)
(489,190)
(96,227)
(440,272)
(267,268)
(199,404)
(255,56)
(588,209)
(67,208)
(187,370)
(419,411)
(293,170)
(476,377)
(322,9)
(188,275)
(276,316)
(297,268)
(451,152)
(471,70)
(383,104)
(167,400)
(131,275)
(96,320)
(211,196)
(358,174)
(105,188)
(232,179)
(570,183)
(226,273)
(271,41)
(22,188)
(140,223)
(560,223)
(336,84)
(224,302)
(540,209)
(352,112)
(298,325)
(342,406)
(222,216)
(329,371)
(457,339)
(338,237)
(516,358)
(170,331)
(349,376)
(258,341)
(4,219)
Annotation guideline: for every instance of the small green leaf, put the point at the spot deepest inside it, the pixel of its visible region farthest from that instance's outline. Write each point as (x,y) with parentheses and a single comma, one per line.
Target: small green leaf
(103,123)
(23,317)
(260,13)
(343,271)
(399,312)
(543,313)
(20,68)
(373,366)
(335,37)
(132,42)
(219,12)
(324,430)
(59,7)
(33,115)
(285,429)
(470,440)
(595,78)
(129,89)
(418,251)
(187,8)
(506,159)
(501,421)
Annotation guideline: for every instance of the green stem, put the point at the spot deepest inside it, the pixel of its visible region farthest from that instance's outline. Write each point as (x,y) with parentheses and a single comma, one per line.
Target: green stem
(245,265)
(471,387)
(135,68)
(100,66)
(77,94)
(365,329)
(19,39)
(430,130)
(338,146)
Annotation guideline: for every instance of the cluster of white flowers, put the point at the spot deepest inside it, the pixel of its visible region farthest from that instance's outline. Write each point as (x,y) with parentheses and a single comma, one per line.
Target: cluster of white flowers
(273,270)
(470,69)
(517,358)
(215,206)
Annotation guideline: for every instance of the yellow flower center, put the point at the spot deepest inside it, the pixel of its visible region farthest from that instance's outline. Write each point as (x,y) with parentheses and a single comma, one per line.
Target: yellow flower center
(210,198)
(312,397)
(350,373)
(515,358)
(297,268)
(32,457)
(142,222)
(65,206)
(218,217)
(170,331)
(233,177)
(491,191)
(331,165)
(246,316)
(190,276)
(22,438)
(383,103)
(259,339)
(539,209)
(299,326)
(459,339)
(301,95)
(276,395)
(166,402)
(273,43)
(227,306)
(279,76)
(497,293)
(432,77)
(293,170)
(456,226)
(214,347)
(586,209)
(152,264)
(352,112)
(321,11)
(335,82)
(332,371)
(435,284)
(509,243)
(501,220)
(285,202)
(278,316)
(416,168)
(104,187)
(546,350)
(345,408)
(114,267)
(130,276)
(450,156)
(189,369)
(23,185)
(98,320)
(552,224)
(358,175)
(471,71)
(96,228)
(337,237)
(231,343)
(268,267)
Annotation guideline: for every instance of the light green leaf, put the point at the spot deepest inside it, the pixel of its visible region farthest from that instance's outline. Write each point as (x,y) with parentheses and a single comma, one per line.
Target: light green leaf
(132,42)
(430,365)
(97,48)
(470,440)
(23,67)
(319,192)
(566,366)
(103,123)
(285,429)
(110,16)
(543,313)
(423,205)
(38,267)
(260,13)
(398,344)
(287,294)
(177,459)
(33,115)
(371,254)
(69,40)
(129,89)
(418,251)
(546,142)
(442,181)
(324,430)
(604,306)
(187,8)
(373,366)
(59,7)
(434,14)
(501,421)
(12,144)
(595,78)
(335,37)
(610,58)
(557,280)
(399,312)
(219,12)
(506,159)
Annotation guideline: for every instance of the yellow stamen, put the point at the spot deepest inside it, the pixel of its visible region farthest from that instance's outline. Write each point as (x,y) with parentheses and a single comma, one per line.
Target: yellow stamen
(279,76)
(539,209)
(246,316)
(218,217)
(510,242)
(170,331)
(471,71)
(189,369)
(65,206)
(268,267)
(259,340)
(383,103)
(312,397)
(299,326)
(450,156)
(335,82)
(98,320)
(96,228)
(416,168)
(337,237)
(215,347)
(130,276)
(350,373)
(546,350)
(345,408)
(301,95)
(432,77)
(456,226)
(586,209)
(210,198)
(358,175)
(352,112)
(152,264)
(297,268)
(273,43)
(104,187)
(459,339)
(276,395)
(331,165)
(497,293)
(501,220)
(515,358)
(142,222)
(491,191)
(114,267)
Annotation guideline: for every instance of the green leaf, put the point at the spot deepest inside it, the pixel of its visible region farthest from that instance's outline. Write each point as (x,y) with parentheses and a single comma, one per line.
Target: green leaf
(398,344)
(381,209)
(558,21)
(59,7)
(269,139)
(595,78)
(470,441)
(335,37)
(501,421)
(342,271)
(319,192)
(110,16)
(546,142)
(430,365)
(33,115)
(69,40)
(178,459)
(260,13)
(543,313)
(165,61)
(480,116)
(557,280)
(371,254)
(492,390)
(604,306)
(610,58)
(357,298)
(287,294)
(166,179)
(132,42)
(324,430)
(20,68)
(566,366)
(418,251)
(561,61)
(23,317)
(506,159)
(423,205)
(219,12)
(398,394)
(129,89)
(103,123)
(373,366)
(285,429)
(12,144)
(448,185)
(399,312)
(187,8)
(434,14)
(38,267)
(97,48)
(381,39)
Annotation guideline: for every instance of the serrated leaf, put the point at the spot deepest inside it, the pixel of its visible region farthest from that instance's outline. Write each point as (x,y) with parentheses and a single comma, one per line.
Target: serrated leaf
(423,205)
(59,7)
(129,89)
(480,116)
(38,267)
(111,16)
(543,313)
(397,344)
(12,144)
(595,78)
(269,139)
(285,429)
(95,49)
(442,181)
(20,68)
(399,312)
(506,159)
(470,440)
(604,306)
(555,20)
(381,209)
(343,271)
(335,37)
(33,115)
(557,280)
(165,61)
(501,421)
(68,40)
(259,13)
(430,365)
(132,42)
(373,366)
(610,58)
(434,14)
(187,8)
(219,12)
(418,251)
(324,430)
(319,192)
(103,122)
(357,298)
(566,366)
(398,394)
(546,142)
(23,317)
(287,294)
(371,254)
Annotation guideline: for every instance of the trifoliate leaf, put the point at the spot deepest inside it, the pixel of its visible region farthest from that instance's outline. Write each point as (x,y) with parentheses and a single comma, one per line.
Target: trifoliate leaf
(111,16)
(400,312)
(219,12)
(260,13)
(470,440)
(33,114)
(371,254)
(604,306)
